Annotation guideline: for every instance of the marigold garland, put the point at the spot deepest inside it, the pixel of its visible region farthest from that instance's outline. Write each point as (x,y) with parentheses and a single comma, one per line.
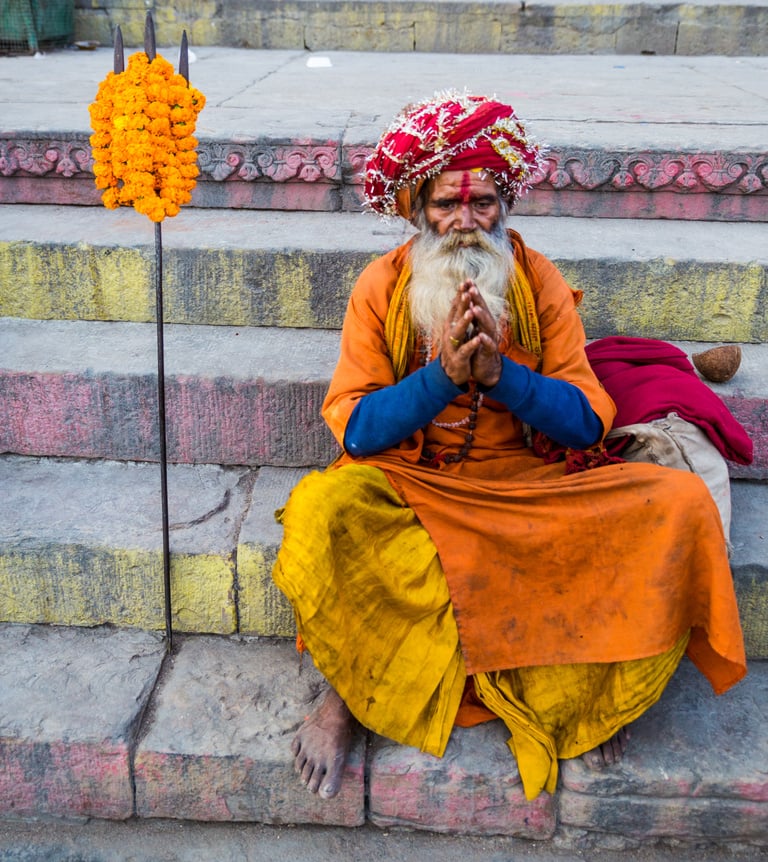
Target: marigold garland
(143,147)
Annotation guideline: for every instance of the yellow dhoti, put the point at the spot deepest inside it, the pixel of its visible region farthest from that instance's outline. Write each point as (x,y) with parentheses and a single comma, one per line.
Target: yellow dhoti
(373,605)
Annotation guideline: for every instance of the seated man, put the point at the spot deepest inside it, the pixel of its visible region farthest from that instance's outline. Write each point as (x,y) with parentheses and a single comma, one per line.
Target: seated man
(461,561)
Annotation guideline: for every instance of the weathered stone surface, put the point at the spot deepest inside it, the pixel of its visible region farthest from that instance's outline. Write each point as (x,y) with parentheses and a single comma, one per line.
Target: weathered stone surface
(233,396)
(281,131)
(741,396)
(695,768)
(82,543)
(672,280)
(578,104)
(264,610)
(219,267)
(727,29)
(457,27)
(749,563)
(475,788)
(597,182)
(71,701)
(217,746)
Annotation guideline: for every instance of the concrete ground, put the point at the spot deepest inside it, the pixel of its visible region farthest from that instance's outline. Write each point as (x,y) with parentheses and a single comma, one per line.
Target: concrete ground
(575,99)
(172,841)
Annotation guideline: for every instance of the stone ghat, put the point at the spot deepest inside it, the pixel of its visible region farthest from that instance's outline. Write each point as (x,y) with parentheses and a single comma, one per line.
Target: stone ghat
(290,129)
(443,26)
(88,390)
(82,546)
(671,280)
(325,176)
(101,723)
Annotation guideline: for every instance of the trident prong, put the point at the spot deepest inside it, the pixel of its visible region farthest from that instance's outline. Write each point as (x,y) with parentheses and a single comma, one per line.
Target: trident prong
(184,57)
(119,52)
(150,46)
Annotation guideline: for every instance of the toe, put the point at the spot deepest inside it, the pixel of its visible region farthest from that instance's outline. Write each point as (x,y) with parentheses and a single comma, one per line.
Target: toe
(609,749)
(593,759)
(299,763)
(332,784)
(315,780)
(330,789)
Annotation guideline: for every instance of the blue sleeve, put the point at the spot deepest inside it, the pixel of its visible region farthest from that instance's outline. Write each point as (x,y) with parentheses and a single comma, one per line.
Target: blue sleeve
(385,417)
(555,407)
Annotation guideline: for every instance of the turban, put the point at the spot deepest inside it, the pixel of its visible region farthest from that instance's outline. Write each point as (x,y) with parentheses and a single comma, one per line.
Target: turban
(451,131)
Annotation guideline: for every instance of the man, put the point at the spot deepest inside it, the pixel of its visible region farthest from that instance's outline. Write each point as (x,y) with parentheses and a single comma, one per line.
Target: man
(460,561)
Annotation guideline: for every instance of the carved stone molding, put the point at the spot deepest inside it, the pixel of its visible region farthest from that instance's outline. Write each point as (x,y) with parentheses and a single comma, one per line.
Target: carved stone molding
(307,162)
(298,162)
(734,173)
(38,157)
(590,170)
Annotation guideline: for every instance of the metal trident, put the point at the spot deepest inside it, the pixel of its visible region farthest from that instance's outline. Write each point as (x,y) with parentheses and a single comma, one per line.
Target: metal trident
(150,50)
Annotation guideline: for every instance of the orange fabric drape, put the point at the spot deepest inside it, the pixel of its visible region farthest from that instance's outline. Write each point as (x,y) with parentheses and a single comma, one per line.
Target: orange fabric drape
(612,564)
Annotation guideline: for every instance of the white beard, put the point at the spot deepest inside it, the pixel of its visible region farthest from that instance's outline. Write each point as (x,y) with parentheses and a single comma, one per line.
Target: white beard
(440,264)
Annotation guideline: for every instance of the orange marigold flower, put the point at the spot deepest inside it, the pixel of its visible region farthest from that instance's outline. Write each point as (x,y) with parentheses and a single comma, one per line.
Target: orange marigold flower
(142,144)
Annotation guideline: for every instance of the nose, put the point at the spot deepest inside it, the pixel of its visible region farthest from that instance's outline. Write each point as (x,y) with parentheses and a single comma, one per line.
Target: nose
(465,217)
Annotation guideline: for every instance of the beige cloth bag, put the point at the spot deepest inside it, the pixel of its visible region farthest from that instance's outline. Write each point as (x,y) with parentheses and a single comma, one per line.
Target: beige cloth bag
(674,442)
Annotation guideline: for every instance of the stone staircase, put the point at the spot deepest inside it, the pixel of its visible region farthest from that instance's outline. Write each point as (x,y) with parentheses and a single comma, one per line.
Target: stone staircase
(429,26)
(652,202)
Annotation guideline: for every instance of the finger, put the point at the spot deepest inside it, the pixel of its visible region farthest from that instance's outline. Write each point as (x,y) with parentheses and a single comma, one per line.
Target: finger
(481,313)
(486,344)
(476,299)
(459,309)
(462,299)
(455,329)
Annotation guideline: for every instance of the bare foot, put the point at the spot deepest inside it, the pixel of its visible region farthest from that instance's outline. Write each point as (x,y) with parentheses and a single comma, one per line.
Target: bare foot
(609,752)
(321,746)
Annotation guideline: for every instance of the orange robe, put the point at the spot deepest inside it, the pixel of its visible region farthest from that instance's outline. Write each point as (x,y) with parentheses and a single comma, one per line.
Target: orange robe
(544,568)
(611,565)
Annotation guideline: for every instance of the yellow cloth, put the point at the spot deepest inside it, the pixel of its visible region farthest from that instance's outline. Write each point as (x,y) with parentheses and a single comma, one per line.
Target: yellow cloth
(562,711)
(381,628)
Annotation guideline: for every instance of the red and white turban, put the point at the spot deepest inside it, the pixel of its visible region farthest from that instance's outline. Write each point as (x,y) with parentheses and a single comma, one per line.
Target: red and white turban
(451,131)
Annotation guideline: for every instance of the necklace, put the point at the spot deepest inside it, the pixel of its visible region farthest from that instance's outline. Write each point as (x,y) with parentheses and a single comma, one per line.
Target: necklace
(470,420)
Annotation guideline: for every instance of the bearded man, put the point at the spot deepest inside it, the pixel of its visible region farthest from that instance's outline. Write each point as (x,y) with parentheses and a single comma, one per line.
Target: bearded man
(461,561)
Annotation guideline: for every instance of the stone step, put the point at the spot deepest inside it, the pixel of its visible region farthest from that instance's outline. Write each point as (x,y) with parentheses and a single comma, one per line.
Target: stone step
(100,723)
(674,280)
(234,395)
(498,26)
(628,137)
(82,546)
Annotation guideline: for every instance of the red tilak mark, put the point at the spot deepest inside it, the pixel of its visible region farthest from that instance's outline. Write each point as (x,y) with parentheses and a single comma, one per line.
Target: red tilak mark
(466,181)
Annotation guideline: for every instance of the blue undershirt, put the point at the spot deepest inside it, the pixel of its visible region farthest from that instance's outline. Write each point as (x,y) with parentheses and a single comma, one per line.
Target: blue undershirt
(387,416)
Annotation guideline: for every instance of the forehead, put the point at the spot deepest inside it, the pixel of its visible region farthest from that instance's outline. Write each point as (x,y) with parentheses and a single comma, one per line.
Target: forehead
(455,184)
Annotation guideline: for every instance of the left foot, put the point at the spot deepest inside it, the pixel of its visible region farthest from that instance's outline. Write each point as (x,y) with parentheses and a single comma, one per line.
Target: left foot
(609,752)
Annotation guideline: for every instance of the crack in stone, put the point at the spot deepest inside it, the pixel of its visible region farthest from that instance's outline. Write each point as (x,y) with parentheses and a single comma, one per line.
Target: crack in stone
(182,525)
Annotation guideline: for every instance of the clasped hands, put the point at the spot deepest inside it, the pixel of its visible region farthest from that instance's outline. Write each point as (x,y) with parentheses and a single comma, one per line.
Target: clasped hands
(469,345)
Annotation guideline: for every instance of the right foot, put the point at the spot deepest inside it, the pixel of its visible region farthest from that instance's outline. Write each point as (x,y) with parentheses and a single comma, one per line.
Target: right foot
(321,745)
(609,752)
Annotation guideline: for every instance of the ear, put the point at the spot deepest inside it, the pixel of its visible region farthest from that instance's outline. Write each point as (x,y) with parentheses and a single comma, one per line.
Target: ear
(405,206)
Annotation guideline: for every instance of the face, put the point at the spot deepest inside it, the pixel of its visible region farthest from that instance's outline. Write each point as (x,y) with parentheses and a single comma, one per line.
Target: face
(462,201)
